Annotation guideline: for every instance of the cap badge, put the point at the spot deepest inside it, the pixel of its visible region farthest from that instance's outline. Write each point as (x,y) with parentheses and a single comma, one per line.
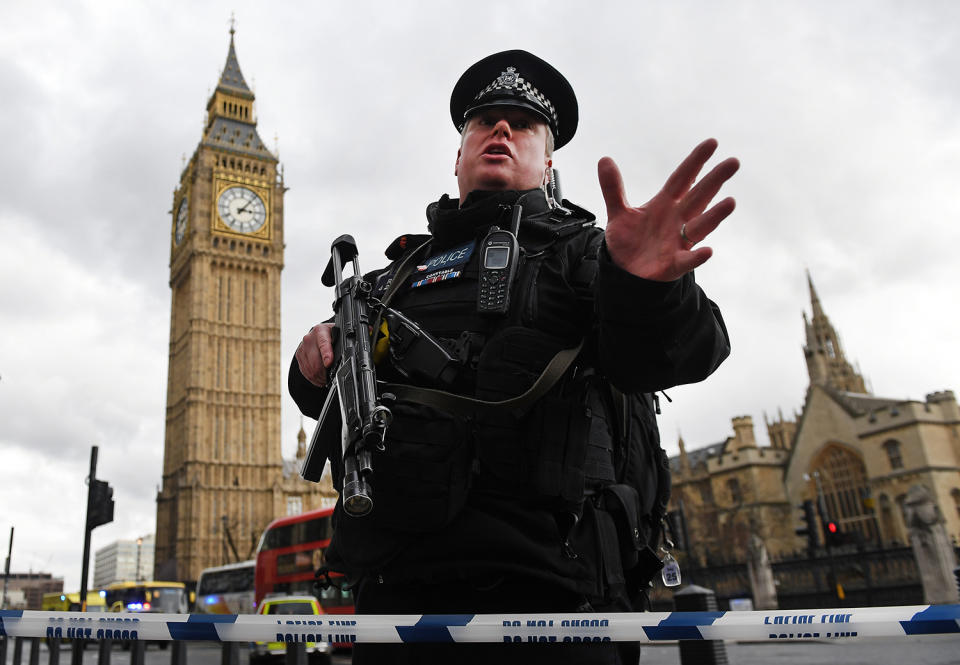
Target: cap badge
(507,79)
(510,82)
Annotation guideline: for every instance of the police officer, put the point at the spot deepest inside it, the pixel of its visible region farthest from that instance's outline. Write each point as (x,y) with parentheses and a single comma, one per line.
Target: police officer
(534,505)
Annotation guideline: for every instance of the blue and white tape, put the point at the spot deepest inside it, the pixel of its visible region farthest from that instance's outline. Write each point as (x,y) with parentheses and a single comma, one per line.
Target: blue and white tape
(821,624)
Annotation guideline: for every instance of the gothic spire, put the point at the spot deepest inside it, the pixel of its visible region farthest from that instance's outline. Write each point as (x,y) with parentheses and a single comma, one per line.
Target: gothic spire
(231,80)
(684,458)
(826,363)
(814,299)
(231,123)
(301,442)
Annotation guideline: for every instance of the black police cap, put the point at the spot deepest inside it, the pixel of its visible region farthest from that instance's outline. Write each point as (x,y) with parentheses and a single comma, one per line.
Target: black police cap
(517,78)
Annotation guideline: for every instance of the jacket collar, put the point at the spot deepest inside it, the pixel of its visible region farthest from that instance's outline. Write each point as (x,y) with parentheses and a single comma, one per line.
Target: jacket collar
(449,222)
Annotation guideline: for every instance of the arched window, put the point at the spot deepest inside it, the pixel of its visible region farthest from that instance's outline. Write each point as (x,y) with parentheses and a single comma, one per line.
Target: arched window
(733,486)
(843,478)
(706,493)
(955,493)
(893,454)
(294,505)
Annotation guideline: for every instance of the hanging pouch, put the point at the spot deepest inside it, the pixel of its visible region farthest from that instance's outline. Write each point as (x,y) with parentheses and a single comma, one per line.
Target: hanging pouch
(622,503)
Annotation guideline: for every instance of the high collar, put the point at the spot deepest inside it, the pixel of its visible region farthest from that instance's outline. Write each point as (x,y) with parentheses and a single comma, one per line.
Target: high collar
(449,222)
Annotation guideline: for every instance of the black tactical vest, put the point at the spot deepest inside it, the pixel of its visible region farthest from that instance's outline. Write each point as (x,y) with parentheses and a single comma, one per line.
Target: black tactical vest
(583,452)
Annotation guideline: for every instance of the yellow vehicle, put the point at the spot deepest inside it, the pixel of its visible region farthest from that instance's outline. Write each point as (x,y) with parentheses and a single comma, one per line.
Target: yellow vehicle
(70,602)
(162,597)
(319,653)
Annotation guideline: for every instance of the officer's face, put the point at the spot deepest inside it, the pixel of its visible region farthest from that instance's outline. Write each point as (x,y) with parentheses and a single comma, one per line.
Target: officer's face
(503,148)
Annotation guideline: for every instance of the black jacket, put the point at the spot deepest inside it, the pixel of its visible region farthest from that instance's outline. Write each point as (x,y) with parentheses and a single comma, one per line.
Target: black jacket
(500,494)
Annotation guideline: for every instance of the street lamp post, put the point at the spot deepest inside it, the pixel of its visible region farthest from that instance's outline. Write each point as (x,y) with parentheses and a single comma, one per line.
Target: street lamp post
(139,545)
(6,572)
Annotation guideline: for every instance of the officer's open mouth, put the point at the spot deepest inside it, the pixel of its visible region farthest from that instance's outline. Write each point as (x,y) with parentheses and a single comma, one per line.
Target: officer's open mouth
(497,149)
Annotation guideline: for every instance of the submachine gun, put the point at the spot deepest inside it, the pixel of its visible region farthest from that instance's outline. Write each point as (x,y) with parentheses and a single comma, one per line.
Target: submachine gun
(365,413)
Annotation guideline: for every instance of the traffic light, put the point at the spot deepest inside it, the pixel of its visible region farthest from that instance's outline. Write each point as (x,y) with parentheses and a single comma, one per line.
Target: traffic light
(832,532)
(810,528)
(100,510)
(832,536)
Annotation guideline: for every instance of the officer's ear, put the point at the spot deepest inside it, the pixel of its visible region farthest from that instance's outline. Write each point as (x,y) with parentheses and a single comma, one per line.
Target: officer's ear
(456,165)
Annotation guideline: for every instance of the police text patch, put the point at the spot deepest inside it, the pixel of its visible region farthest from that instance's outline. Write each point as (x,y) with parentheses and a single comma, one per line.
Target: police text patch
(442,266)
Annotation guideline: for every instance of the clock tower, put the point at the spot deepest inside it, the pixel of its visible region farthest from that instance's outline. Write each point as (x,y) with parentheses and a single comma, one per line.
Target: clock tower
(224,478)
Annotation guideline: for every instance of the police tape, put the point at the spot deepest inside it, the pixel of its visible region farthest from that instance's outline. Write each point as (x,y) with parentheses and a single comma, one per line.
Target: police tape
(821,624)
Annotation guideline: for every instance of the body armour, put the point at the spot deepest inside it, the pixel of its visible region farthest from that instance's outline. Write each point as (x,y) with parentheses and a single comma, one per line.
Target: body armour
(569,489)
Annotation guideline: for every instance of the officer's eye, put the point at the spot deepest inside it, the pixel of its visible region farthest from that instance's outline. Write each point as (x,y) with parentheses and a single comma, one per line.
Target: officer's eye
(521,124)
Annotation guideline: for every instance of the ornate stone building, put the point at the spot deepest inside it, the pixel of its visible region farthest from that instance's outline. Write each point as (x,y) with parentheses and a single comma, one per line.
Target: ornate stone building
(865,452)
(224,478)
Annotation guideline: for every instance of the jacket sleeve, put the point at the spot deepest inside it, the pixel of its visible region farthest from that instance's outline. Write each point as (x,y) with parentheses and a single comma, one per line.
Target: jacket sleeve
(655,335)
(309,398)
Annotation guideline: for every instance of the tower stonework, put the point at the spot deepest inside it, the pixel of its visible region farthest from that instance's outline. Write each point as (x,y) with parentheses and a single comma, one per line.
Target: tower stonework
(224,477)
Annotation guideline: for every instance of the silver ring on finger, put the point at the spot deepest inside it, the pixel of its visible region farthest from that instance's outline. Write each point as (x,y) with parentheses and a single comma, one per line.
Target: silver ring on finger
(683,235)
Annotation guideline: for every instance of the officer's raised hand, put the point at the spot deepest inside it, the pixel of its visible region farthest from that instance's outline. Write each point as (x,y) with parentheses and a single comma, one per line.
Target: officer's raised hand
(656,241)
(315,354)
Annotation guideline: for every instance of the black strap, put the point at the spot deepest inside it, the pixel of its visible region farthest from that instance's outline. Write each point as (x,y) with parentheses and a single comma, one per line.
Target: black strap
(404,270)
(468,406)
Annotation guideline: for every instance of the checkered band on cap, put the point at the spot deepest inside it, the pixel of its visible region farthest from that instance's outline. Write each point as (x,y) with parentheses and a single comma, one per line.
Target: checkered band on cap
(510,80)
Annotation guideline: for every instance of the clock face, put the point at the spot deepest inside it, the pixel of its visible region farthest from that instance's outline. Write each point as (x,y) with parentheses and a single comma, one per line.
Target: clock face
(241,209)
(181,224)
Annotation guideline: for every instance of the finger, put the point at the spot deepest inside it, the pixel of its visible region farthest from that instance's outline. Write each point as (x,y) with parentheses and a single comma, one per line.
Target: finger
(325,344)
(693,259)
(611,184)
(700,196)
(685,174)
(310,359)
(306,362)
(703,225)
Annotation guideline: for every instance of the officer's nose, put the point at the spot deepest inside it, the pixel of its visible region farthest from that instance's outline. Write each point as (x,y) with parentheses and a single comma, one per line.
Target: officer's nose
(502,127)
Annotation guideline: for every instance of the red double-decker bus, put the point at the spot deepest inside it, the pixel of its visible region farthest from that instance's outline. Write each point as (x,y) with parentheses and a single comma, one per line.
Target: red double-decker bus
(291,550)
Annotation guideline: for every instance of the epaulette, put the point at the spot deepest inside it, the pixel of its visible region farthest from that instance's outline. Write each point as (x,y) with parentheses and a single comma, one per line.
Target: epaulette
(570,218)
(405,242)
(577,211)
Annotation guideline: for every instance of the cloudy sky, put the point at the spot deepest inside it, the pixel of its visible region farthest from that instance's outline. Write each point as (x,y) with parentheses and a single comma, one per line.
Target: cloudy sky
(845,115)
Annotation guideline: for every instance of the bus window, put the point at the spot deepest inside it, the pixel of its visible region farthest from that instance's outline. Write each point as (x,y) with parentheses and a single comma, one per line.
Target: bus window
(227,589)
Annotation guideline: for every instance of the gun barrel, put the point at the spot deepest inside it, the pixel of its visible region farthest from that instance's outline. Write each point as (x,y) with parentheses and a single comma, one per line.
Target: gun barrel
(357,493)
(365,419)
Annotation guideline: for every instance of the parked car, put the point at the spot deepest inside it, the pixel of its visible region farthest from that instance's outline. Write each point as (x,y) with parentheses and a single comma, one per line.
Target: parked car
(319,653)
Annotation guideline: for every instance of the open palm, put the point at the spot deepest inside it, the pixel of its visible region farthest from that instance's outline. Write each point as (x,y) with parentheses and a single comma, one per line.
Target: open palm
(656,241)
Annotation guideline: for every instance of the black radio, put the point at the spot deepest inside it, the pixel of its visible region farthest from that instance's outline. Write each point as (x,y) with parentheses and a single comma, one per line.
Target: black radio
(498,266)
